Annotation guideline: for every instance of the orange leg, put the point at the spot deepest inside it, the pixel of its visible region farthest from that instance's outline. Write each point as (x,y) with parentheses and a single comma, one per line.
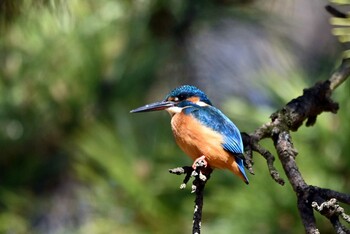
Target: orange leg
(201,158)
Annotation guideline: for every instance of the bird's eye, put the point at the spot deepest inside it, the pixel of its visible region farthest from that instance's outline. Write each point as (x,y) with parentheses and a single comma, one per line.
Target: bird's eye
(178,98)
(181,97)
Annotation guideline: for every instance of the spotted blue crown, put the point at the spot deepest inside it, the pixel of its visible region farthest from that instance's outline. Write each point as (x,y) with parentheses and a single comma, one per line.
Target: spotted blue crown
(186,91)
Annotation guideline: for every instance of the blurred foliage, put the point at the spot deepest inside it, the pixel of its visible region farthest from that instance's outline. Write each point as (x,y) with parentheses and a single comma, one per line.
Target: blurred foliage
(341,25)
(73,160)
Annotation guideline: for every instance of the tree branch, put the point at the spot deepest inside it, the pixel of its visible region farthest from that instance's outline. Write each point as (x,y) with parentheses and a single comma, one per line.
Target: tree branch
(253,145)
(335,12)
(305,108)
(201,175)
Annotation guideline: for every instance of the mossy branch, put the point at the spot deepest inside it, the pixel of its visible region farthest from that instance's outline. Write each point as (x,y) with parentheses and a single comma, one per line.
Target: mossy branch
(303,109)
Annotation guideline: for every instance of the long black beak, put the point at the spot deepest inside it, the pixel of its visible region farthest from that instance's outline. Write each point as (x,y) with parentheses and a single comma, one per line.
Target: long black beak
(154,106)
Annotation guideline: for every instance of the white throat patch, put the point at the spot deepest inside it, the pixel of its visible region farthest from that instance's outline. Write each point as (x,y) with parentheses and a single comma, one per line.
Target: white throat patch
(174,110)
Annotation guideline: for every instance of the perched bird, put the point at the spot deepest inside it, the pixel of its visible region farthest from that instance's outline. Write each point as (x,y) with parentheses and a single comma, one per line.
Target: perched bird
(202,131)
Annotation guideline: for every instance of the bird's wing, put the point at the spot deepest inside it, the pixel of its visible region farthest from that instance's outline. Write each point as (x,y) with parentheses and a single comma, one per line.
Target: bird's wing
(216,120)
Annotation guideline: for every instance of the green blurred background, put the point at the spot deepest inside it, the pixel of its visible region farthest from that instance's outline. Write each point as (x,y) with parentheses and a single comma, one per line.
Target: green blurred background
(73,160)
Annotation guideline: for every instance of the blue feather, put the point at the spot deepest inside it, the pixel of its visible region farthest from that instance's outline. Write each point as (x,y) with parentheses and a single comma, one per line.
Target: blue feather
(216,120)
(240,164)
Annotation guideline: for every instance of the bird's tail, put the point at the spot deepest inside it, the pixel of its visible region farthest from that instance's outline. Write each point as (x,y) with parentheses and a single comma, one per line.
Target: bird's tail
(240,165)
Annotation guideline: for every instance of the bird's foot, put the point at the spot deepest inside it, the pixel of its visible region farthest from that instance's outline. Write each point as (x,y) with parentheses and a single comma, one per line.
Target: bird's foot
(200,171)
(200,161)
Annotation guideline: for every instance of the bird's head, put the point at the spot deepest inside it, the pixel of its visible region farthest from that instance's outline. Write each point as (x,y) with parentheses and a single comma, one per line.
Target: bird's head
(178,99)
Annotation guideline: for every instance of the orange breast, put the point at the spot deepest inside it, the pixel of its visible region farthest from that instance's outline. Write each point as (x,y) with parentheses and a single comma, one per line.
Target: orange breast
(196,140)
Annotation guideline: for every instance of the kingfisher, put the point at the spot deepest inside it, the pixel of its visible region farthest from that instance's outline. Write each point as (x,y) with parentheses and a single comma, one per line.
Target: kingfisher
(201,130)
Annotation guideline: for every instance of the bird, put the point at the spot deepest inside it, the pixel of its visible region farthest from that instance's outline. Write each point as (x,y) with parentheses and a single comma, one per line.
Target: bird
(201,130)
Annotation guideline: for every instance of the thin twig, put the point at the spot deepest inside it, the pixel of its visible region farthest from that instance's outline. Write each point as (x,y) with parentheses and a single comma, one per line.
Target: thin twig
(201,175)
(335,12)
(340,75)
